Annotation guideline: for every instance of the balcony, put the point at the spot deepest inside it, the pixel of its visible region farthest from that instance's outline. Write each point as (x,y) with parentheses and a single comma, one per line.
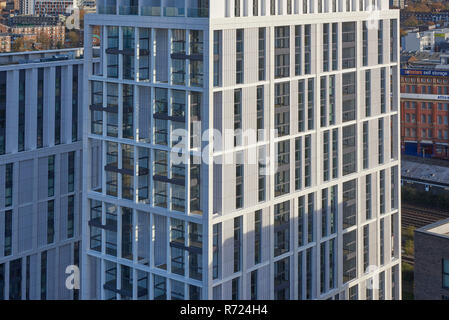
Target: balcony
(150,11)
(128,10)
(107,9)
(198,12)
(174,12)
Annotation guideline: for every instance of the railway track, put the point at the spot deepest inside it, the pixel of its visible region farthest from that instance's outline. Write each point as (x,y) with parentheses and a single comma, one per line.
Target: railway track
(419,217)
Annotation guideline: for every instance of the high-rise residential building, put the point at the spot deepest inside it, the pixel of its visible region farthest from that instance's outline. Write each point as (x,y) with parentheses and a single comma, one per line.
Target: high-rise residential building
(40,172)
(182,200)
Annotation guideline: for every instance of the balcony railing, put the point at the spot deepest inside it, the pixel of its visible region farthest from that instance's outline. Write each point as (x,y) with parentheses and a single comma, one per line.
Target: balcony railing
(128,10)
(154,11)
(198,12)
(107,9)
(150,11)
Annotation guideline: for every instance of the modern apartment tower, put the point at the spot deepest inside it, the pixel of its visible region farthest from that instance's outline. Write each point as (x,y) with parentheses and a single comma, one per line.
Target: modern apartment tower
(40,172)
(182,201)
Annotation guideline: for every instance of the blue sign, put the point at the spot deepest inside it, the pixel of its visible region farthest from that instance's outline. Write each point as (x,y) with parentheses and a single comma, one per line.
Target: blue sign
(433,73)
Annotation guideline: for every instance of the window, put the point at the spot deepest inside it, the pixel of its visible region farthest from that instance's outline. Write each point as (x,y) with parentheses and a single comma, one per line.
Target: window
(257,236)
(217,57)
(326,152)
(74,103)
(300,275)
(298,163)
(282,108)
(298,50)
(260,112)
(237,244)
(15,280)
(445,273)
(382,285)
(239,185)
(51,176)
(301,106)
(365,145)
(334,209)
(367,93)
(282,279)
(282,52)
(382,91)
(239,56)
(21,124)
(307,48)
(216,259)
(237,117)
(8,184)
(261,175)
(354,293)
(8,233)
(380,40)
(331,94)
(2,281)
(348,45)
(70,216)
(365,42)
(3,115)
(381,140)
(323,101)
(281,228)
(311,217)
(40,108)
(349,256)
(382,241)
(310,103)
(262,32)
(44,275)
(235,289)
(368,197)
(324,212)
(307,161)
(322,267)
(349,96)
(282,176)
(309,257)
(382,191)
(349,150)
(334,44)
(334,153)
(365,248)
(332,263)
(326,47)
(71,171)
(237,8)
(349,203)
(255,7)
(301,217)
(254,285)
(58,106)
(50,221)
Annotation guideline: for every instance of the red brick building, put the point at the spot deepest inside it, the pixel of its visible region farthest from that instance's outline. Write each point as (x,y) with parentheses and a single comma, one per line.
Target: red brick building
(425,112)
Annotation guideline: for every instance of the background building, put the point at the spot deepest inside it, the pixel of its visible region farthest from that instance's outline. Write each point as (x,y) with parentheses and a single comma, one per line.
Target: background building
(40,172)
(425,106)
(432,261)
(325,225)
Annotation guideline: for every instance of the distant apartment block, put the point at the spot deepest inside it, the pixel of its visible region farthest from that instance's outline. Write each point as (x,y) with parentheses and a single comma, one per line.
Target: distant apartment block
(52,7)
(40,172)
